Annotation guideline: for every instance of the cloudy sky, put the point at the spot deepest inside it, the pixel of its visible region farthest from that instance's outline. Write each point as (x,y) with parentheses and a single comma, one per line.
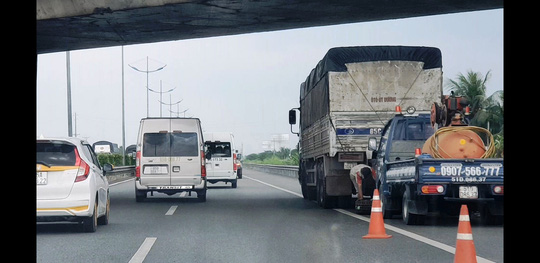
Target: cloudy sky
(244,84)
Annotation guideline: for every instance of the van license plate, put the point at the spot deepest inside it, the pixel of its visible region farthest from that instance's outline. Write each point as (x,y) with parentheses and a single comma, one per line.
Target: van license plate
(42,178)
(155,169)
(174,187)
(468,192)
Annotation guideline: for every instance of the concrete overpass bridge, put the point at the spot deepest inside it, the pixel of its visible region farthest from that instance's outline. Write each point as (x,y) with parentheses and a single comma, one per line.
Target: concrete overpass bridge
(63,25)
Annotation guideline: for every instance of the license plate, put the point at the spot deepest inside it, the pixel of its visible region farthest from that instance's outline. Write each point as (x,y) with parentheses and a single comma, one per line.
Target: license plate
(42,178)
(174,187)
(468,192)
(155,169)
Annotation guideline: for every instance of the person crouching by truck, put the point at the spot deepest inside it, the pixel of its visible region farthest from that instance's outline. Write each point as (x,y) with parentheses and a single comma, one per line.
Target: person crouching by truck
(362,178)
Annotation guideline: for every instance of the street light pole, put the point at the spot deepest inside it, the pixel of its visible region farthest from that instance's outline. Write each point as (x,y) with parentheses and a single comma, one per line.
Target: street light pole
(161,96)
(123,115)
(68,67)
(147,71)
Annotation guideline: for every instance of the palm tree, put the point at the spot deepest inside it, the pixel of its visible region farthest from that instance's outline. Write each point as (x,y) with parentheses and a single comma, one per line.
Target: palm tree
(472,87)
(485,112)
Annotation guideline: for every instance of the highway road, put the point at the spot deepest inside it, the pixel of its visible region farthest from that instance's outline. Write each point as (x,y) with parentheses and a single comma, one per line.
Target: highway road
(265,219)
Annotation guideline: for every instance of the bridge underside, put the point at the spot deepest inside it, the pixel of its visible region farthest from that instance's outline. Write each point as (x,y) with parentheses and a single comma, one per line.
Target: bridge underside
(99,25)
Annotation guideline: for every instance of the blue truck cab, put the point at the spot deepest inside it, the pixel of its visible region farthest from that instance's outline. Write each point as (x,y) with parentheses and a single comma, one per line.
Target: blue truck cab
(416,185)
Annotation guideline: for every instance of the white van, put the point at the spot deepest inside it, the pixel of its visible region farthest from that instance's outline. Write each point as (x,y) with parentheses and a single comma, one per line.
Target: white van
(221,167)
(170,157)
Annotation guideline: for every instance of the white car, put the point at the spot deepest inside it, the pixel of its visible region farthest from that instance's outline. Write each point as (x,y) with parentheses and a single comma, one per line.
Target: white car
(70,183)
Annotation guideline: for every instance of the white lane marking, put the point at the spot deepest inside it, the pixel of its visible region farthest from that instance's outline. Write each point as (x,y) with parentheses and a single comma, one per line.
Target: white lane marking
(121,182)
(183,194)
(273,186)
(406,233)
(143,250)
(171,210)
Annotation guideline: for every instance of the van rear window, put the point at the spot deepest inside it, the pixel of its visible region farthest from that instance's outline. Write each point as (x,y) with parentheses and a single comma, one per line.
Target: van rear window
(55,154)
(170,144)
(219,149)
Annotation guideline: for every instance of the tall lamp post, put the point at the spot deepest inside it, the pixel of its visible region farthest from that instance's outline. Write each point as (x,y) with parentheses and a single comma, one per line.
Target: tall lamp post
(161,96)
(147,71)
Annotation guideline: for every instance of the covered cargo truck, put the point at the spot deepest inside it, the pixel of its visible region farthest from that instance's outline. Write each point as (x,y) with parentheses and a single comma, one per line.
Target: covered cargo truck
(348,97)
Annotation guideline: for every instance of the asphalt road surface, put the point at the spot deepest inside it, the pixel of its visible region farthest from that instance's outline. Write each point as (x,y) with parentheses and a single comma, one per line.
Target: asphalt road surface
(265,219)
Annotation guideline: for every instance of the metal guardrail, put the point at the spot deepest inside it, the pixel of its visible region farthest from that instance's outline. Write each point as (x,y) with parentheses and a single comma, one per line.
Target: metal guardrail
(285,170)
(120,173)
(123,172)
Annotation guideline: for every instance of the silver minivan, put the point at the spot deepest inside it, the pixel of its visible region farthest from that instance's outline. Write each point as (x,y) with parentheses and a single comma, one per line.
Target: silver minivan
(170,157)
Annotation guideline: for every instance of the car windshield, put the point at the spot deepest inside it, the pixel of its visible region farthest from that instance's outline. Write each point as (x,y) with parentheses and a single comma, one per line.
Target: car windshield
(55,154)
(413,130)
(170,144)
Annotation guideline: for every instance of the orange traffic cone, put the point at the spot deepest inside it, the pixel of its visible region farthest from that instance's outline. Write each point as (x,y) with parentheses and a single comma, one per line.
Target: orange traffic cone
(465,251)
(376,224)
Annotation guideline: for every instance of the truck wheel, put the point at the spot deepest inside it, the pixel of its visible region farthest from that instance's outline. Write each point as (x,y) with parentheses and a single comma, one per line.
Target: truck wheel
(322,198)
(304,188)
(408,217)
(387,213)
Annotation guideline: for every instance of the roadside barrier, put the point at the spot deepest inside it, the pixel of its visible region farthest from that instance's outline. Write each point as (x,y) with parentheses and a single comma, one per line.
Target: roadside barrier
(465,251)
(120,173)
(376,223)
(285,170)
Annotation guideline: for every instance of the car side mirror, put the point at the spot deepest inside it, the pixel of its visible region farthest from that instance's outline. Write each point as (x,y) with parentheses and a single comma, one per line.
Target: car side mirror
(107,168)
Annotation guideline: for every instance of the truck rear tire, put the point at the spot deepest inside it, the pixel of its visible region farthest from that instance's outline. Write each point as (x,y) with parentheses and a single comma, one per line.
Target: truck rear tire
(322,198)
(408,217)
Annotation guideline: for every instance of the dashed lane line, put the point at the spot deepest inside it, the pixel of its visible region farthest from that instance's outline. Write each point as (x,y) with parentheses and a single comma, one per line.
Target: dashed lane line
(171,210)
(143,250)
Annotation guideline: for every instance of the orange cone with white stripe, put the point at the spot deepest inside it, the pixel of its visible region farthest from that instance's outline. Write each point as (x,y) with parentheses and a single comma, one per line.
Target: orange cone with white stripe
(376,223)
(465,251)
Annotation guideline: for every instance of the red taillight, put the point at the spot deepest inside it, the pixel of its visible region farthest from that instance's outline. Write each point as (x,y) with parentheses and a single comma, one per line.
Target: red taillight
(234,162)
(84,168)
(498,189)
(138,164)
(203,166)
(432,189)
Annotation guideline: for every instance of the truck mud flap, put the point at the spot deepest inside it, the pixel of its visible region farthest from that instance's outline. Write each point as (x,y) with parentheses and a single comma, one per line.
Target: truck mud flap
(418,207)
(338,186)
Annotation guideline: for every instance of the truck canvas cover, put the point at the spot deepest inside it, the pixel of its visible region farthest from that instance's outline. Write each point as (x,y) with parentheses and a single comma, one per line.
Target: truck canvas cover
(371,79)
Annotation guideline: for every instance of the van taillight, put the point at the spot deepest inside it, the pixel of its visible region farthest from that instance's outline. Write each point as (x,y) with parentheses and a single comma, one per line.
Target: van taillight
(84,168)
(234,162)
(203,166)
(138,164)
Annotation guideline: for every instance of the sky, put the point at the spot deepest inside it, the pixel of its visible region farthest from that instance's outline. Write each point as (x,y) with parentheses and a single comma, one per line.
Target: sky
(244,84)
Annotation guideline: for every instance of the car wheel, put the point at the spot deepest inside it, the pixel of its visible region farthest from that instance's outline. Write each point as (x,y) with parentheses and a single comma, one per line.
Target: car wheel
(234,183)
(104,219)
(90,223)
